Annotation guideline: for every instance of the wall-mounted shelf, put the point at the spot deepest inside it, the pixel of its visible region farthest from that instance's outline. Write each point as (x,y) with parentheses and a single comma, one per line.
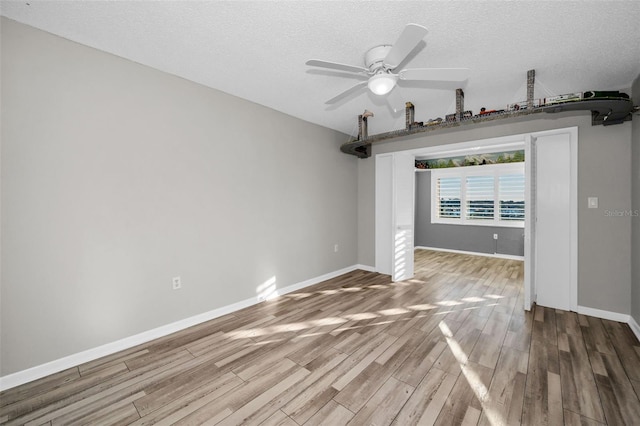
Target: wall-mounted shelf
(603,111)
(607,108)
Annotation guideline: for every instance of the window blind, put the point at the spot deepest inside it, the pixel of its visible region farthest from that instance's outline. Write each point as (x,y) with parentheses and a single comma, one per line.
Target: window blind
(511,196)
(448,198)
(480,197)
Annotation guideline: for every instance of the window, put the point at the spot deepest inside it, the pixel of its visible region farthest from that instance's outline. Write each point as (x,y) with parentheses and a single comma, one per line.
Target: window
(511,190)
(479,195)
(449,197)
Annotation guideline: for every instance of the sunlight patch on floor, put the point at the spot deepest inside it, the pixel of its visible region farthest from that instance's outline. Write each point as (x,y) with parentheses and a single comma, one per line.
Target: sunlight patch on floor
(475,383)
(361,316)
(449,303)
(473,299)
(393,311)
(424,307)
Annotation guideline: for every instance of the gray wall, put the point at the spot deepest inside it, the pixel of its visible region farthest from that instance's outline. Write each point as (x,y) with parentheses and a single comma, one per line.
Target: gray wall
(604,170)
(117,177)
(477,239)
(635,168)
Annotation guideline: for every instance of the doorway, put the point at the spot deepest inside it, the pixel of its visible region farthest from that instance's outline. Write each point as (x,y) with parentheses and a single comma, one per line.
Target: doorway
(400,181)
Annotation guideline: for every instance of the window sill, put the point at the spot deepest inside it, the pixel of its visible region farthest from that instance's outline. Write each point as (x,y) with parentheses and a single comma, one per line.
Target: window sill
(493,224)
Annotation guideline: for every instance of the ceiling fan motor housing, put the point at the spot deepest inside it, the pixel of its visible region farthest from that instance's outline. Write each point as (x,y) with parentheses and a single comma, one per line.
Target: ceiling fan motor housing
(374,58)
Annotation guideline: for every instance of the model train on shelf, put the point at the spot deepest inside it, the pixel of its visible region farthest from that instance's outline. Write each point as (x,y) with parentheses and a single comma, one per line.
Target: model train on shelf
(569,97)
(524,105)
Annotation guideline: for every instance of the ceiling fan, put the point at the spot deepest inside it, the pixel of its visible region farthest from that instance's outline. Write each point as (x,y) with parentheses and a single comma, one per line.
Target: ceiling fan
(381,63)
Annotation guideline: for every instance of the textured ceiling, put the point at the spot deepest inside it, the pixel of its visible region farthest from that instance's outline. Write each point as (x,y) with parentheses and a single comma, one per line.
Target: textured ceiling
(258,50)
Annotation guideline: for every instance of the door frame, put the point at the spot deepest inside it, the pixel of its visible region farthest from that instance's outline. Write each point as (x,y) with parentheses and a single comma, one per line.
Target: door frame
(526,141)
(384,209)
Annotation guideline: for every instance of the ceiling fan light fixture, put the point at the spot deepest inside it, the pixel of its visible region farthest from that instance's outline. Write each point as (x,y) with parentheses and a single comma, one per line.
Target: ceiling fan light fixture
(381,84)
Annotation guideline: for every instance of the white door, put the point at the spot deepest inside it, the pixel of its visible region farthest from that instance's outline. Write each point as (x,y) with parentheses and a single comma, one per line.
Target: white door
(529,224)
(384,216)
(403,215)
(554,221)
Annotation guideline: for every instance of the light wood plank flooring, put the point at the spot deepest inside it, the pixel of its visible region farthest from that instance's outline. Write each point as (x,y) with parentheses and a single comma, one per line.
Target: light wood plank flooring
(452,346)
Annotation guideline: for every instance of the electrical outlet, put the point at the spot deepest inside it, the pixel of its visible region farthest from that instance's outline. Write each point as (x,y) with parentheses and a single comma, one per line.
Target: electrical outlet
(177,284)
(495,236)
(335,248)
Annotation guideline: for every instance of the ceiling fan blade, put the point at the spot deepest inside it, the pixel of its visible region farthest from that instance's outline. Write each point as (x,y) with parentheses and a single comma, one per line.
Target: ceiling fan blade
(335,66)
(346,93)
(435,74)
(408,40)
(395,103)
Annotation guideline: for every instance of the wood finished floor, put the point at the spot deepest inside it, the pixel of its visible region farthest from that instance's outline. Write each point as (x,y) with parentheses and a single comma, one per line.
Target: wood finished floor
(452,346)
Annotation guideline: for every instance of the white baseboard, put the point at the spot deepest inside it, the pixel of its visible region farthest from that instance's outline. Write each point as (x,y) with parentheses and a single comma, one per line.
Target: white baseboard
(634,327)
(612,316)
(608,315)
(43,370)
(316,280)
(21,377)
(366,268)
(473,253)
